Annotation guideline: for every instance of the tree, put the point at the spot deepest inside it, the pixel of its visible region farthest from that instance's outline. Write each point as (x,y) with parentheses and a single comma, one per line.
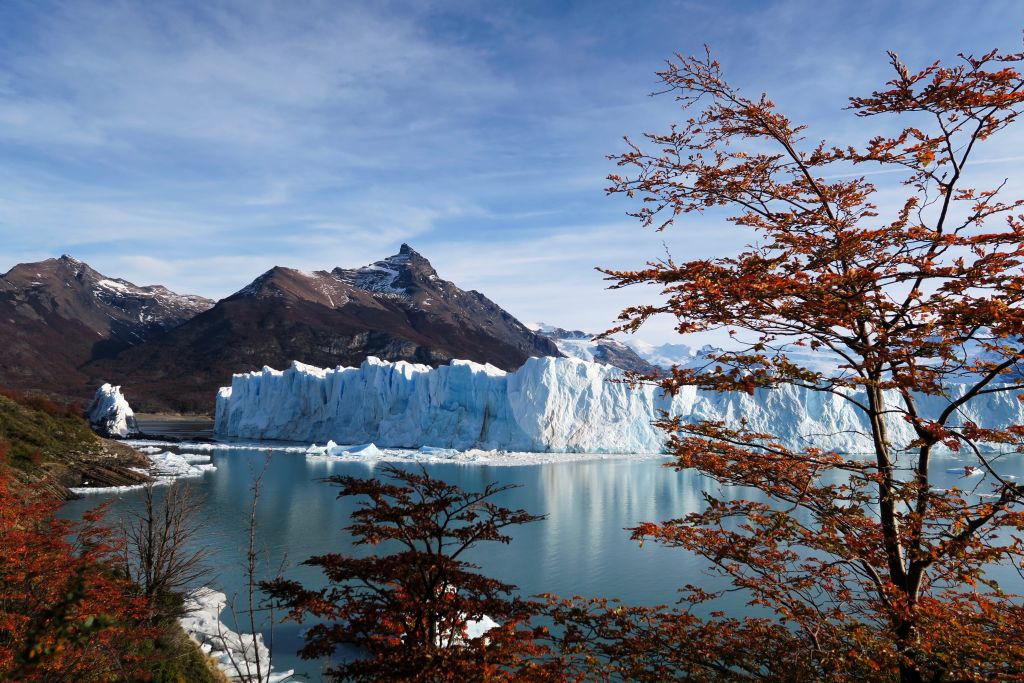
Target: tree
(419,613)
(867,563)
(251,661)
(161,554)
(64,613)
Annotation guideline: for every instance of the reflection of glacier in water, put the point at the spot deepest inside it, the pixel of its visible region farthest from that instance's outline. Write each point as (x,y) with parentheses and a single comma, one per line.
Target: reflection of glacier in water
(547,405)
(581,548)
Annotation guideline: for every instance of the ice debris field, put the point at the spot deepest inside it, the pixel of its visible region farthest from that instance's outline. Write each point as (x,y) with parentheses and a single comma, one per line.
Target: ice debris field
(164,468)
(236,654)
(552,405)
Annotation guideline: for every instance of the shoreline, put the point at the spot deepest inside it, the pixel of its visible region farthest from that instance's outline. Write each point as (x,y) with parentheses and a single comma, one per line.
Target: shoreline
(426,455)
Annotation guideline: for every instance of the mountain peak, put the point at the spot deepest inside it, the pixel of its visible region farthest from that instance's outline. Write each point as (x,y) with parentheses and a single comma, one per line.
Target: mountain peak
(406,256)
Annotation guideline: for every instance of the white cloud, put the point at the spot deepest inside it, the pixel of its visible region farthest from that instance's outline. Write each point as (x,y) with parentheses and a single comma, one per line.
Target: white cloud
(218,139)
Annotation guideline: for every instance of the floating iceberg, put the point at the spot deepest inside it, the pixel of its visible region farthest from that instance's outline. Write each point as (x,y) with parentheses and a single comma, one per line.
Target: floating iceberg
(547,405)
(366,450)
(109,413)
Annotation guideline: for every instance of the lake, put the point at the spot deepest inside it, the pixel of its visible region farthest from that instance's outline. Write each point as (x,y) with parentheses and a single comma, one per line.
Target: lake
(582,547)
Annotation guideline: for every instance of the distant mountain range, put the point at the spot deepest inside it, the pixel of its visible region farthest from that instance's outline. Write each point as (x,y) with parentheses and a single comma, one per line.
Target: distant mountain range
(69,328)
(58,315)
(585,346)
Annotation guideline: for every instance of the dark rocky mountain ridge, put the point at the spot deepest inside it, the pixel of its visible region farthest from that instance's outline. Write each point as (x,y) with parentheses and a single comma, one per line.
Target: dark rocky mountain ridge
(59,314)
(397,309)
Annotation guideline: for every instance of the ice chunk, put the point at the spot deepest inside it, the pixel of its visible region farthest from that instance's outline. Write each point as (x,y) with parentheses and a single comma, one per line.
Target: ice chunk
(109,413)
(332,449)
(235,653)
(165,468)
(966,471)
(366,450)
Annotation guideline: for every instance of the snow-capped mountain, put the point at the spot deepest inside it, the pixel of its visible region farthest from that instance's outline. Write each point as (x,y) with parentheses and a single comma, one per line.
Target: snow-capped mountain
(641,356)
(58,314)
(110,307)
(667,355)
(398,308)
(583,345)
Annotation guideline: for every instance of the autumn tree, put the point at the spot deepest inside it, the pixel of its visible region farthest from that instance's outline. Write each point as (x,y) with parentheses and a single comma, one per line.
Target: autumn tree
(65,614)
(420,611)
(869,568)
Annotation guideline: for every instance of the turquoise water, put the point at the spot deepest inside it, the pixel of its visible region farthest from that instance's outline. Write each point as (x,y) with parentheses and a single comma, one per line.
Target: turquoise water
(582,548)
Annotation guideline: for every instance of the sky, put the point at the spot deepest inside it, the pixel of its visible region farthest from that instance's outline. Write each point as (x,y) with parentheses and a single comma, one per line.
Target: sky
(197,144)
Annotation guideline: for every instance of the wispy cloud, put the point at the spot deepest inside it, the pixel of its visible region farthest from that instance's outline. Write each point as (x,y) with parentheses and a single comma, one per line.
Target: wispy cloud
(200,143)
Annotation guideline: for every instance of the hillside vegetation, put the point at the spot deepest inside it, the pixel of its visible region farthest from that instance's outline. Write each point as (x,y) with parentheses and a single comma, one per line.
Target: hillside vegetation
(52,444)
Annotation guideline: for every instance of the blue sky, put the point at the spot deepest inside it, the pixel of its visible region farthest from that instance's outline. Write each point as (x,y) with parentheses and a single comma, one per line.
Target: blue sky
(198,144)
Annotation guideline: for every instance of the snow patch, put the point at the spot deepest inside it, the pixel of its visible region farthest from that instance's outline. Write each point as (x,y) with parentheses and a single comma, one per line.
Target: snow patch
(116,286)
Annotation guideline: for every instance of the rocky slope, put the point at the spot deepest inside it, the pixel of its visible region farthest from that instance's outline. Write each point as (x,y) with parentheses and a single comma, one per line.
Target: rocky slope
(59,314)
(51,446)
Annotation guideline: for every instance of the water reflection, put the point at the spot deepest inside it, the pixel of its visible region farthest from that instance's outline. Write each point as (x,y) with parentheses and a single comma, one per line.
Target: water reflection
(582,548)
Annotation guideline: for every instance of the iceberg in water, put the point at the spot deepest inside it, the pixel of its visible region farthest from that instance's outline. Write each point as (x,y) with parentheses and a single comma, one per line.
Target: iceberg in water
(164,468)
(366,450)
(547,405)
(109,413)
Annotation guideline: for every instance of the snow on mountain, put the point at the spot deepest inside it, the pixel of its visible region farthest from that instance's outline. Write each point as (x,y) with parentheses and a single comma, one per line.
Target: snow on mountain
(113,307)
(109,413)
(663,355)
(59,314)
(667,355)
(547,405)
(583,346)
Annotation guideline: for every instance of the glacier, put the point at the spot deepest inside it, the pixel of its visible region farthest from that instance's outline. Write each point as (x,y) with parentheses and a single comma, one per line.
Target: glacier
(109,413)
(547,405)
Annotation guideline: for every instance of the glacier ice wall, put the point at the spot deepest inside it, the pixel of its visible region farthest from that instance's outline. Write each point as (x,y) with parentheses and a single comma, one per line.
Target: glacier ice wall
(547,405)
(109,413)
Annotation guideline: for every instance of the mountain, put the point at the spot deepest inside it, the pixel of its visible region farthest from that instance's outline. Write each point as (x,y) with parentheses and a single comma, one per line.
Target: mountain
(667,355)
(397,309)
(582,345)
(59,314)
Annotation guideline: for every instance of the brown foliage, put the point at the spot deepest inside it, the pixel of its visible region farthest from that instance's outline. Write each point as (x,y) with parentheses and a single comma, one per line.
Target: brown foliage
(868,566)
(64,615)
(407,611)
(41,403)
